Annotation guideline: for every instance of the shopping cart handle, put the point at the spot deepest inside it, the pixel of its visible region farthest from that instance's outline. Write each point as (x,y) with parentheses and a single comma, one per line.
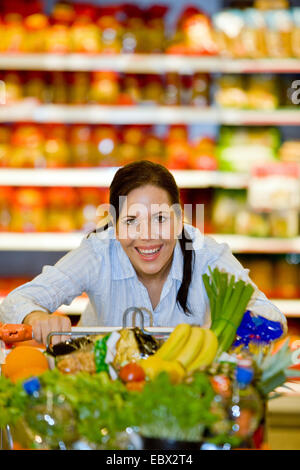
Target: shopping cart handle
(9,332)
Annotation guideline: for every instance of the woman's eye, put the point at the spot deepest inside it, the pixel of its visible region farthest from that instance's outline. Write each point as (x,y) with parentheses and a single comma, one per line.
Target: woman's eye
(130,221)
(161,218)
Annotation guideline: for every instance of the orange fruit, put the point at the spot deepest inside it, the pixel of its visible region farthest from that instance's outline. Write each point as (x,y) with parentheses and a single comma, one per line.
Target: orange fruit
(26,373)
(29,342)
(24,357)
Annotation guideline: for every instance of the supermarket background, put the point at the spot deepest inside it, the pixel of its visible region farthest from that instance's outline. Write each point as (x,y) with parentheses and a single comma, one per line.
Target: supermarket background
(209,89)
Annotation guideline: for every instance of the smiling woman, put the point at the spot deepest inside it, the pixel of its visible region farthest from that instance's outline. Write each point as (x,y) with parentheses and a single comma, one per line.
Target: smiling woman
(144,256)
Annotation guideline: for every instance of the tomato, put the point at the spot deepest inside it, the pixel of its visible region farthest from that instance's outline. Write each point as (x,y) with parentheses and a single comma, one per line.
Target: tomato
(132,372)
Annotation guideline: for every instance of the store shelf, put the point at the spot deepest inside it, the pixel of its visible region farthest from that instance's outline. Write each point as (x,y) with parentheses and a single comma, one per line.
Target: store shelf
(145,114)
(102,177)
(146,63)
(10,241)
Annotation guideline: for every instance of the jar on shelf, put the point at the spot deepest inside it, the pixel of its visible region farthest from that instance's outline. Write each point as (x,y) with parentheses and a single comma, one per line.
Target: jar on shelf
(80,144)
(295,37)
(62,209)
(104,87)
(110,28)
(35,87)
(84,32)
(155,36)
(27,147)
(58,39)
(58,88)
(13,33)
(90,199)
(131,146)
(284,223)
(5,135)
(133,39)
(28,213)
(286,277)
(36,30)
(56,148)
(203,154)
(178,149)
(79,87)
(6,197)
(153,89)
(154,148)
(13,87)
(278,33)
(105,142)
(132,88)
(172,89)
(200,90)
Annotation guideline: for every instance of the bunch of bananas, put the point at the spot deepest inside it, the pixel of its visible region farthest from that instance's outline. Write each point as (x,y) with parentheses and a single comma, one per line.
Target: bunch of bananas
(188,348)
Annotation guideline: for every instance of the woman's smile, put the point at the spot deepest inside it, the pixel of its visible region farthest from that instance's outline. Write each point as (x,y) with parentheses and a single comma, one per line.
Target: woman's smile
(149,253)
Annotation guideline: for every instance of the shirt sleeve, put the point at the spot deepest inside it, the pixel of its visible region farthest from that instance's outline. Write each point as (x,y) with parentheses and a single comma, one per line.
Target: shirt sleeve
(73,274)
(259,304)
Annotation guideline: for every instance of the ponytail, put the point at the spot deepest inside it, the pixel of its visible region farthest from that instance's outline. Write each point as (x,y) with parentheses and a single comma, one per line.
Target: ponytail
(188,258)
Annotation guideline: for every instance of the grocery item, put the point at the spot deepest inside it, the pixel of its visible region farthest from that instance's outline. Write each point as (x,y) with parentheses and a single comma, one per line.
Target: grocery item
(23,361)
(28,211)
(227,205)
(84,32)
(110,29)
(278,32)
(228,300)
(56,149)
(62,211)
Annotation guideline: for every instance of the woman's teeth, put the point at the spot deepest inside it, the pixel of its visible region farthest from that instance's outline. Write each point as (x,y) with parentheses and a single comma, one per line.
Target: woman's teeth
(148,252)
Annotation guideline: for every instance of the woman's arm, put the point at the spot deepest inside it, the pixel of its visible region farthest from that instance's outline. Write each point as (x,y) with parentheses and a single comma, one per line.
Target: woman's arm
(56,285)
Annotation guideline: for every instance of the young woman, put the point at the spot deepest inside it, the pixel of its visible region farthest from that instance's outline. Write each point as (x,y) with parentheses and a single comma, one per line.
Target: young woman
(146,257)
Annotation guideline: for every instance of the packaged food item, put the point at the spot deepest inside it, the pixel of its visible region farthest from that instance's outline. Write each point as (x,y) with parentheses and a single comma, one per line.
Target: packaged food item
(252,223)
(104,87)
(155,28)
(85,34)
(253,33)
(226,205)
(58,40)
(14,33)
(6,197)
(203,154)
(154,148)
(79,87)
(194,34)
(295,36)
(262,274)
(58,88)
(62,209)
(56,149)
(28,212)
(105,141)
(134,33)
(200,89)
(89,200)
(290,151)
(172,89)
(131,144)
(153,90)
(13,87)
(284,223)
(131,89)
(278,32)
(110,28)
(27,147)
(231,91)
(286,277)
(275,187)
(5,136)
(240,149)
(35,87)
(36,29)
(263,92)
(178,149)
(229,27)
(80,144)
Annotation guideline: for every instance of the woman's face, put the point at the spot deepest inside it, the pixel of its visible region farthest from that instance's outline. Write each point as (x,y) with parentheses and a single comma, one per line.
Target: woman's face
(147,229)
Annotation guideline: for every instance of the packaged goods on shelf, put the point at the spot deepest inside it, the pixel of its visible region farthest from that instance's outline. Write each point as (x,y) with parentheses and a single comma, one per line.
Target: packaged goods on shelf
(54,209)
(290,151)
(239,149)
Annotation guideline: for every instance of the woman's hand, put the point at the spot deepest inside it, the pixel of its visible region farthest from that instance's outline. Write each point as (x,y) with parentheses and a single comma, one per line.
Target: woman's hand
(44,323)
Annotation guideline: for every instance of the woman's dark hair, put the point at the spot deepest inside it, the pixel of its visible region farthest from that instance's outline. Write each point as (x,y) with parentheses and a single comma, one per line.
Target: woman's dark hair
(145,172)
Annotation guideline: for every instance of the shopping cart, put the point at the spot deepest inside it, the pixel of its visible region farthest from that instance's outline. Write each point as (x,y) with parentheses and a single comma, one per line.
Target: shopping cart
(13,333)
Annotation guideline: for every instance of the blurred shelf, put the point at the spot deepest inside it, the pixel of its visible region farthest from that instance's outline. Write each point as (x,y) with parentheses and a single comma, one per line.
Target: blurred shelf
(102,177)
(68,241)
(146,63)
(145,114)
(245,244)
